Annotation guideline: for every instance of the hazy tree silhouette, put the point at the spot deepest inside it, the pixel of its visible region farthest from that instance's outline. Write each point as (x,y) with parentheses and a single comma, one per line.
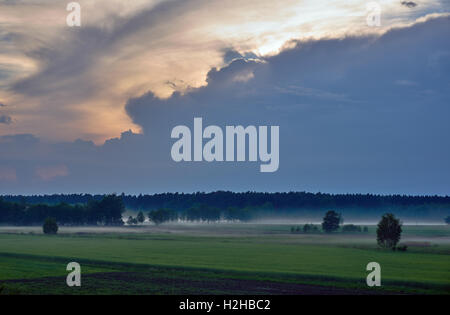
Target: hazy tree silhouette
(140,217)
(50,226)
(389,231)
(132,221)
(162,215)
(331,221)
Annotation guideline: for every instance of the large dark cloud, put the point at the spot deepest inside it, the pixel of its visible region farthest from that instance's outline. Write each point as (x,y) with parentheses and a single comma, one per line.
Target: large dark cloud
(358,114)
(5,119)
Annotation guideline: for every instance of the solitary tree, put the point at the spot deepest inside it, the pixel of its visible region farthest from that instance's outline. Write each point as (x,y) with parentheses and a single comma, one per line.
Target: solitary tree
(331,221)
(389,231)
(50,226)
(140,217)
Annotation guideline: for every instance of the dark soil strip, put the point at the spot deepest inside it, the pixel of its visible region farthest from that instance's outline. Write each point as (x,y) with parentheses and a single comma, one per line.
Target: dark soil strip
(146,283)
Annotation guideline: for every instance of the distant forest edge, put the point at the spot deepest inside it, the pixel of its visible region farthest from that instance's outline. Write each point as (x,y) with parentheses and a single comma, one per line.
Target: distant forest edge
(245,206)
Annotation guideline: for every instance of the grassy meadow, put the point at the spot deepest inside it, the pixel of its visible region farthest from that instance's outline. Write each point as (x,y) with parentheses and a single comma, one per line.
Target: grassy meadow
(220,259)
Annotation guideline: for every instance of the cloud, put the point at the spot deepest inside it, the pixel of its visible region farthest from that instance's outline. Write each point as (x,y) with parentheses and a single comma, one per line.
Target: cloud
(409,4)
(5,119)
(344,125)
(7,174)
(47,173)
(75,81)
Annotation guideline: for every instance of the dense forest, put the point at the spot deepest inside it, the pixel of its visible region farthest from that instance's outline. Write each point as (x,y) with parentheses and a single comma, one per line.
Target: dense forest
(107,211)
(240,206)
(224,199)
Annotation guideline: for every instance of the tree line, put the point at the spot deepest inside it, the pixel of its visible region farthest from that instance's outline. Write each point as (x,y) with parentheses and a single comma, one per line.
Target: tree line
(106,211)
(225,199)
(201,213)
(85,209)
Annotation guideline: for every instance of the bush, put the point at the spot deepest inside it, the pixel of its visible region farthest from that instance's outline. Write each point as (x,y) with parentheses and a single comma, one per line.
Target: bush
(402,248)
(365,229)
(308,228)
(132,221)
(50,226)
(351,228)
(295,229)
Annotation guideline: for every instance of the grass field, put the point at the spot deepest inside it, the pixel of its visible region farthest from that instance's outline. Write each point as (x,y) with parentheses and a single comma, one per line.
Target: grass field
(225,258)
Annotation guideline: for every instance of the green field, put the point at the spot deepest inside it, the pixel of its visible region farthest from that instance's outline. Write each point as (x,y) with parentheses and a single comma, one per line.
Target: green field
(221,258)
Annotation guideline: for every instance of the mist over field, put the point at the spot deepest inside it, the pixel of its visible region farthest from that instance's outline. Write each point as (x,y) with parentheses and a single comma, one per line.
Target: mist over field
(198,248)
(311,218)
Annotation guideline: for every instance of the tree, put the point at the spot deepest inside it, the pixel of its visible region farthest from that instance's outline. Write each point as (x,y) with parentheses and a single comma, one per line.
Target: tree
(162,215)
(232,213)
(132,221)
(107,211)
(202,212)
(140,217)
(50,226)
(447,220)
(307,228)
(331,221)
(389,231)
(111,208)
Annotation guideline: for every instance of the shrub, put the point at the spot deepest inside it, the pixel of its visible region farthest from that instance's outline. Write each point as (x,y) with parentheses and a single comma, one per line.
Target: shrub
(132,221)
(306,228)
(50,226)
(351,228)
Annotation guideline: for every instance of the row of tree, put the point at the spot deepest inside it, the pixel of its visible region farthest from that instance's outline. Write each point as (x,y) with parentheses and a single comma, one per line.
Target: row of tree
(311,228)
(196,213)
(225,199)
(200,213)
(107,211)
(389,229)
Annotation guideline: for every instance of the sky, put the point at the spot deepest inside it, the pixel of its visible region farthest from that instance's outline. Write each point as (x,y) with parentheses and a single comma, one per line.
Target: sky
(361,108)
